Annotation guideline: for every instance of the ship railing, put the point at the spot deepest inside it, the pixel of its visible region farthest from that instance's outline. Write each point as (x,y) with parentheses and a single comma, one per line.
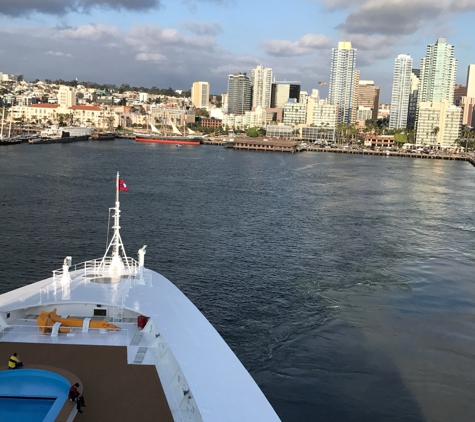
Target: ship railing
(92,335)
(99,267)
(179,395)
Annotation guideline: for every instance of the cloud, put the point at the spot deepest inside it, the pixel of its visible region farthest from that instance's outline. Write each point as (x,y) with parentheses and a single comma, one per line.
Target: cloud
(149,38)
(89,32)
(151,57)
(398,17)
(307,44)
(58,53)
(17,8)
(203,28)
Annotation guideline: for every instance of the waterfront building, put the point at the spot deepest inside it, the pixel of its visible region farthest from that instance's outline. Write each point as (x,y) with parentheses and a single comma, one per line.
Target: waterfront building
(322,118)
(255,118)
(233,121)
(342,81)
(280,131)
(413,95)
(211,122)
(438,70)
(295,113)
(239,93)
(200,94)
(282,91)
(66,96)
(367,97)
(261,86)
(401,91)
(438,124)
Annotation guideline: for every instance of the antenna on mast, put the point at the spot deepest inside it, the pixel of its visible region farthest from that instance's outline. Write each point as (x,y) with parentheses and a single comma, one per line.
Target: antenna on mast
(116,265)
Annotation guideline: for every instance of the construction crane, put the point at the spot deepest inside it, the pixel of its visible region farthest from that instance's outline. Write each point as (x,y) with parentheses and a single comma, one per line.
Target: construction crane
(323,83)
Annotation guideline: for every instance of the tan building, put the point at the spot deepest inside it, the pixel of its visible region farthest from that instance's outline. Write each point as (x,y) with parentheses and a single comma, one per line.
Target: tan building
(66,96)
(468,111)
(368,96)
(200,94)
(378,141)
(471,81)
(438,124)
(459,92)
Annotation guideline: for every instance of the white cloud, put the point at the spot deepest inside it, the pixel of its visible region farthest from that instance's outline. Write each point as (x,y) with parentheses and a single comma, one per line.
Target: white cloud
(203,28)
(151,57)
(58,54)
(307,44)
(92,32)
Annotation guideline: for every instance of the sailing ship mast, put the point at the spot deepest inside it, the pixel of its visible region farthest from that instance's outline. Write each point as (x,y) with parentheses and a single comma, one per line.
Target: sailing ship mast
(3,118)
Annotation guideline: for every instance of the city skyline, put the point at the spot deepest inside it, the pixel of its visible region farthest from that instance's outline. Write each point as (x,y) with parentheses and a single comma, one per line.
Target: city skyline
(165,43)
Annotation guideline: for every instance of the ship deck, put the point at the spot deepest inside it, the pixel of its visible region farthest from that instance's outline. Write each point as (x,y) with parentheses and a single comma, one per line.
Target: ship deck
(113,389)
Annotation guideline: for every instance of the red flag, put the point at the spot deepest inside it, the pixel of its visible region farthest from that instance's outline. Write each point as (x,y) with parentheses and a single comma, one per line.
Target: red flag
(122,186)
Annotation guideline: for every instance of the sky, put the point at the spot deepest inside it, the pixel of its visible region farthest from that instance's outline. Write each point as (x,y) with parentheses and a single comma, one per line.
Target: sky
(172,43)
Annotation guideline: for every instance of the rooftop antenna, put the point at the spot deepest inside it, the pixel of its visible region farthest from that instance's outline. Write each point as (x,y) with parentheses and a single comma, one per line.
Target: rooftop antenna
(116,266)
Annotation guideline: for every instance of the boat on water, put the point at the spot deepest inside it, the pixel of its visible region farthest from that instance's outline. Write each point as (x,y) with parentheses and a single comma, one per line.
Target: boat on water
(103,136)
(56,135)
(139,347)
(176,138)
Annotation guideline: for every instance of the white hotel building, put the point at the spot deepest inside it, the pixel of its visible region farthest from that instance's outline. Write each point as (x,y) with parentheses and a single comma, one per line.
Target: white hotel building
(66,109)
(438,124)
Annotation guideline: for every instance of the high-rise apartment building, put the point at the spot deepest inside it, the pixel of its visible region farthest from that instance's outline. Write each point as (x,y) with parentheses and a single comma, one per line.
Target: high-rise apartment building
(401,91)
(438,124)
(282,91)
(200,94)
(436,94)
(239,93)
(368,97)
(414,93)
(261,86)
(438,70)
(341,89)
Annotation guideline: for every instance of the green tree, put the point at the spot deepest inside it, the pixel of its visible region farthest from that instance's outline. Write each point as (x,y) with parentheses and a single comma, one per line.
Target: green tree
(400,139)
(252,132)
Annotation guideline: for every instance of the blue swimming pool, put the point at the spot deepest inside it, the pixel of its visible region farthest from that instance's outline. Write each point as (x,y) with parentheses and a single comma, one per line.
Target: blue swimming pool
(31,395)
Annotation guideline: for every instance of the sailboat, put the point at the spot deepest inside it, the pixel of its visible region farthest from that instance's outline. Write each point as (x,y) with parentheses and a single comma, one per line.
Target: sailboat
(176,138)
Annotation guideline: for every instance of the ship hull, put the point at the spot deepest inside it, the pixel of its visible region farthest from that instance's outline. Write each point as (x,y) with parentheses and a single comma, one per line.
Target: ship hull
(169,140)
(64,140)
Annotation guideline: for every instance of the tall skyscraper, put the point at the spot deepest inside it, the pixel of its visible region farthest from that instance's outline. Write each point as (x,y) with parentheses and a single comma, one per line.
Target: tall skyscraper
(471,81)
(368,96)
(282,91)
(200,94)
(400,92)
(342,81)
(239,93)
(261,86)
(413,95)
(438,70)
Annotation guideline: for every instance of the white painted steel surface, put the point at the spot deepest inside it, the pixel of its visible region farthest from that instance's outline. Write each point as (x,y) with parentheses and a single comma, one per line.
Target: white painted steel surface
(219,384)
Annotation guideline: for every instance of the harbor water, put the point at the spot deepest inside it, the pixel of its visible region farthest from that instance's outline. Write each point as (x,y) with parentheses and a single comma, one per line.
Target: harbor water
(344,283)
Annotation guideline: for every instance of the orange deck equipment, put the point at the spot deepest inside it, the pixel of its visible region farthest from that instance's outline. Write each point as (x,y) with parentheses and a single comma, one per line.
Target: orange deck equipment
(46,320)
